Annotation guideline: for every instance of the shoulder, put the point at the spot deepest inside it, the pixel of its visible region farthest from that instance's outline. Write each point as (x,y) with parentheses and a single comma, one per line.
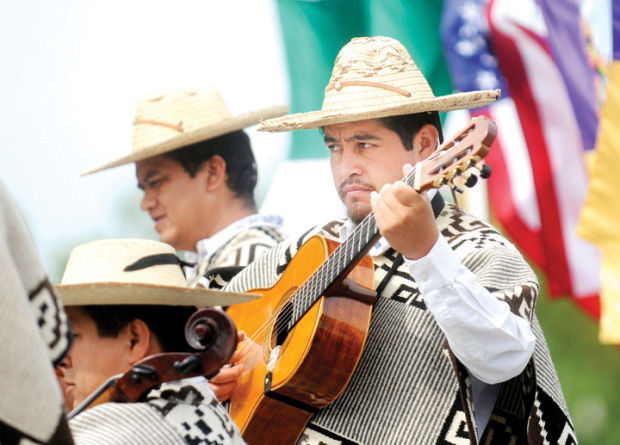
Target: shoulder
(265,271)
(495,261)
(267,235)
(193,410)
(135,423)
(177,412)
(466,232)
(247,245)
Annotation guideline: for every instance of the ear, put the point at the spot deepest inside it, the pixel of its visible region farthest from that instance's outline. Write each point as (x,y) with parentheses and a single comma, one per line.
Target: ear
(425,141)
(141,341)
(216,172)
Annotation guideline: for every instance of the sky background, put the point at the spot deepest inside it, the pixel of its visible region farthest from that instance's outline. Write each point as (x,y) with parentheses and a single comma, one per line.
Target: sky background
(71,74)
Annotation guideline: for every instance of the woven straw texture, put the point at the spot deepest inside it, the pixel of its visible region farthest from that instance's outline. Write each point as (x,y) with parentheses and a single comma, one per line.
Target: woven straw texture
(376,77)
(179,118)
(95,274)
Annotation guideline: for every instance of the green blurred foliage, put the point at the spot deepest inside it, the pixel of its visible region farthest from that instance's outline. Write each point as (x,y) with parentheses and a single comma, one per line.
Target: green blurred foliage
(589,371)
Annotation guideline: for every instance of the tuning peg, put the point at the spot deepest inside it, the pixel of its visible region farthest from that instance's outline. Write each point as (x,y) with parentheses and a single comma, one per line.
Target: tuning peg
(141,371)
(471,180)
(485,171)
(189,364)
(455,187)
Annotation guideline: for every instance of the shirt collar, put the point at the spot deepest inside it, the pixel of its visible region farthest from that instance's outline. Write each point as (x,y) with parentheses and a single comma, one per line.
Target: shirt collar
(208,246)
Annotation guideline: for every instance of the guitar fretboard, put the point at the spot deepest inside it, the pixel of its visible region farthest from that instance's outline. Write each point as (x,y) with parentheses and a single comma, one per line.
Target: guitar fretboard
(339,263)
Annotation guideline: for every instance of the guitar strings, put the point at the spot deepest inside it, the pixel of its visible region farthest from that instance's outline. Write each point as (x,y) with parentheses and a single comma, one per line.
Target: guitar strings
(281,313)
(311,284)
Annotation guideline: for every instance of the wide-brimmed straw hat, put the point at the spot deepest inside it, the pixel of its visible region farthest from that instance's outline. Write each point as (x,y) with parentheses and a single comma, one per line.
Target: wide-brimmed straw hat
(133,271)
(177,118)
(375,77)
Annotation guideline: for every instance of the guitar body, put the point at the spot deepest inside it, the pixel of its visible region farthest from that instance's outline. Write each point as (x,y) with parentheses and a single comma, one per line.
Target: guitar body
(273,401)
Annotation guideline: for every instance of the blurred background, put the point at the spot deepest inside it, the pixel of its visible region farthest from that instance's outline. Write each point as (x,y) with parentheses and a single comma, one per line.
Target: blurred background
(71,72)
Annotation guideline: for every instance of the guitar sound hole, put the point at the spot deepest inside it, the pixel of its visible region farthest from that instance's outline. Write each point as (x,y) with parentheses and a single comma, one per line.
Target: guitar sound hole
(281,326)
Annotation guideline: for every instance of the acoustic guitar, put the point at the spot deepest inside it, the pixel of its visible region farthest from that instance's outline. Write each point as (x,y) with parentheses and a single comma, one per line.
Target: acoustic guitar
(306,333)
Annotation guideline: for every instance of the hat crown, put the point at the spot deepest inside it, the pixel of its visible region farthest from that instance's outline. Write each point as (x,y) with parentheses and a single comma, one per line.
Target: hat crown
(183,117)
(105,261)
(374,71)
(163,117)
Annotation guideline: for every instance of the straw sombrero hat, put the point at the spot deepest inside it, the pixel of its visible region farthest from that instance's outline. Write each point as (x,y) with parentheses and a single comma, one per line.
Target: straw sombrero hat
(178,118)
(376,77)
(133,271)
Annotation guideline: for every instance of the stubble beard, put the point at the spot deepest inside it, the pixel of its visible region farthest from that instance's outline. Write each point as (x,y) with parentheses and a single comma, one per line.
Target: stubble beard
(357,209)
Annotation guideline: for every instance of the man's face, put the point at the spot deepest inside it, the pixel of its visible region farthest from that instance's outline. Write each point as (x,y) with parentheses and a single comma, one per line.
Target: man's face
(364,156)
(174,200)
(92,359)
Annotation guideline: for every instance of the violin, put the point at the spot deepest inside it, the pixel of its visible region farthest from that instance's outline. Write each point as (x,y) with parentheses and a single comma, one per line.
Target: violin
(210,331)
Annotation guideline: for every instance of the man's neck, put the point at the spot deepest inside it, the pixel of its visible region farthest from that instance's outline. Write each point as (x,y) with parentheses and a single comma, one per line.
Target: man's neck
(227,212)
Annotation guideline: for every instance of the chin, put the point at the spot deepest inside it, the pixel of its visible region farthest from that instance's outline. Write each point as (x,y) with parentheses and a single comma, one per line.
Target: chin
(168,238)
(357,214)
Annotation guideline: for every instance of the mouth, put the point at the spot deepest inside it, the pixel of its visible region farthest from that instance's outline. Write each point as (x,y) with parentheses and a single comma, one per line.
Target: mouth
(69,388)
(158,220)
(355,191)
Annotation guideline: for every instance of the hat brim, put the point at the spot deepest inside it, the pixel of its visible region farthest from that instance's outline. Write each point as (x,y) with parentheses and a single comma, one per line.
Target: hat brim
(144,294)
(318,119)
(227,125)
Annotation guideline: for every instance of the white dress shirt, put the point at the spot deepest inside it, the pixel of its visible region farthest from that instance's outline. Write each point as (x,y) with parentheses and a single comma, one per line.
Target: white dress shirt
(493,343)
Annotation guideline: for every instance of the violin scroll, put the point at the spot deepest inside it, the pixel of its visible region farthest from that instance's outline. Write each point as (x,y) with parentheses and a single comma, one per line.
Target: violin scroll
(210,331)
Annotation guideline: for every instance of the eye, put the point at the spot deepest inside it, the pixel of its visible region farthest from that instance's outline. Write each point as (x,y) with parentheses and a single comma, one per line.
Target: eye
(154,182)
(333,147)
(365,145)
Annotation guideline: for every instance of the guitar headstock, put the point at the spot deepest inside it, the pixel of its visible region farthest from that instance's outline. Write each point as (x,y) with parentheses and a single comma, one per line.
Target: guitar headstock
(462,152)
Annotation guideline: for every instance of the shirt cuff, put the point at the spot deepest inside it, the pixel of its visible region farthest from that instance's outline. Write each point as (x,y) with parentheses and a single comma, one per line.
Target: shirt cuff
(437,269)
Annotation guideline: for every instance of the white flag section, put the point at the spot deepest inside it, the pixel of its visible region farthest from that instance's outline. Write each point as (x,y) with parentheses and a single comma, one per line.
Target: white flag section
(556,149)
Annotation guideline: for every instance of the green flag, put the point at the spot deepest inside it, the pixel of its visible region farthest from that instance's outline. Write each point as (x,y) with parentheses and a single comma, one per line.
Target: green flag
(314,32)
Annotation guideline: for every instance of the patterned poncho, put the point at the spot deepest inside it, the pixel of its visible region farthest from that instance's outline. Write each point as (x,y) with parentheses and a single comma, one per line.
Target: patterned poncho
(179,412)
(408,387)
(34,334)
(242,249)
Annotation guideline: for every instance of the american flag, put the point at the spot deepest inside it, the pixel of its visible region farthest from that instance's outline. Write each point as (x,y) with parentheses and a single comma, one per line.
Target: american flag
(539,181)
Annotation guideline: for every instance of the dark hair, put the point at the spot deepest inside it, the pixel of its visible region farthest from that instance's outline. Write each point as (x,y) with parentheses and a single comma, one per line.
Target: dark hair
(166,322)
(236,151)
(407,125)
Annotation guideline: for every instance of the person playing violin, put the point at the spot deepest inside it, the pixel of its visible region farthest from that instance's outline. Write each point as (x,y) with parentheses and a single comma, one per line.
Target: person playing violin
(454,352)
(126,300)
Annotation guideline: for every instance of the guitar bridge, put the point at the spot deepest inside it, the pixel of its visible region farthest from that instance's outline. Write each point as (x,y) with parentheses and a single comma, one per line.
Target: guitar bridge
(273,358)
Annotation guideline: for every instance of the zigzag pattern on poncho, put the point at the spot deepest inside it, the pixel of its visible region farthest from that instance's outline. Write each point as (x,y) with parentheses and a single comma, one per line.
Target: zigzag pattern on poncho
(408,386)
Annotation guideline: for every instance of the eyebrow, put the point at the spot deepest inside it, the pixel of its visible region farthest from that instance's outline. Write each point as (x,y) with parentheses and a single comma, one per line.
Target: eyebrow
(355,137)
(146,178)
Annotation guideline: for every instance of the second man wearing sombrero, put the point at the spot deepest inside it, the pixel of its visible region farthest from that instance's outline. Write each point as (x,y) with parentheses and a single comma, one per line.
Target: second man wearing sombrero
(451,348)
(195,165)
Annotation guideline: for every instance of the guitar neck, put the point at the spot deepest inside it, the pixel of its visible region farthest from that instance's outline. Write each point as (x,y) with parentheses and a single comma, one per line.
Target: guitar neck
(462,152)
(341,261)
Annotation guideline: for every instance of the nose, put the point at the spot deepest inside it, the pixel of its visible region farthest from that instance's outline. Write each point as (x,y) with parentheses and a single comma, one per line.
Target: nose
(350,163)
(62,367)
(148,200)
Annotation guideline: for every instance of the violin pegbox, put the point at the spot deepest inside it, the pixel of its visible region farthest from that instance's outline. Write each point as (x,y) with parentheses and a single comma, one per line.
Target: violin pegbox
(456,157)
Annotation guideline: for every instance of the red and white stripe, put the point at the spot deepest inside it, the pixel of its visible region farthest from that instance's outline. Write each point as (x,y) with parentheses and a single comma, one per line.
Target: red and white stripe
(554,144)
